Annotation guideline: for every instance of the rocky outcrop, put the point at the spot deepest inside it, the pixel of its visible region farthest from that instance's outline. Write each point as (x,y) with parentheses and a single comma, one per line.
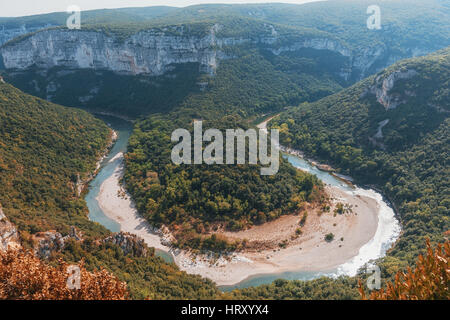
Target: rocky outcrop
(377,139)
(9,237)
(129,243)
(49,242)
(313,43)
(384,84)
(45,243)
(7,34)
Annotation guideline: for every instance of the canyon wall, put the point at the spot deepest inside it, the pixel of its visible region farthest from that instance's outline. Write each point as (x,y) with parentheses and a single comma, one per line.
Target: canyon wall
(152,51)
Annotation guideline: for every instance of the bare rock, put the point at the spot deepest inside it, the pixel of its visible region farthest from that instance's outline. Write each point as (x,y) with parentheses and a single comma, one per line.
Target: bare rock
(9,237)
(129,243)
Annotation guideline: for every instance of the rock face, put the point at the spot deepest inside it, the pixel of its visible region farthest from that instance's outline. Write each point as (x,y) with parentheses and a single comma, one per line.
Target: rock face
(315,43)
(384,84)
(152,52)
(146,52)
(9,237)
(129,243)
(45,243)
(11,33)
(377,139)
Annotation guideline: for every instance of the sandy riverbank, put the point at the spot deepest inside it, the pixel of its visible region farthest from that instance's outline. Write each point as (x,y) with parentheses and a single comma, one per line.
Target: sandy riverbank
(117,205)
(307,252)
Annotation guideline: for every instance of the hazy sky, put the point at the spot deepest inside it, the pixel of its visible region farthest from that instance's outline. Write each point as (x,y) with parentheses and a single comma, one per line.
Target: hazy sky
(14,8)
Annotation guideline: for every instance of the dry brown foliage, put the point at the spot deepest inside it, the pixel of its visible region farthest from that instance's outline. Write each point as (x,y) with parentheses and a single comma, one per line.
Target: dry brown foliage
(23,276)
(429,281)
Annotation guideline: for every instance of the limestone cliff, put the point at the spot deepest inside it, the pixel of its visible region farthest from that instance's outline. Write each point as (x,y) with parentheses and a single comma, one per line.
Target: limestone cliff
(9,237)
(153,51)
(146,52)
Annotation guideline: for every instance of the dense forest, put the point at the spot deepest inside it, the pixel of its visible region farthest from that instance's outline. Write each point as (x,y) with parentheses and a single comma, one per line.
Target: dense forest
(44,148)
(408,160)
(194,200)
(45,151)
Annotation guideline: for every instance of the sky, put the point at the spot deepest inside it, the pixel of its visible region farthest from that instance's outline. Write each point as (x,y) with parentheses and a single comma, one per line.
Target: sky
(16,8)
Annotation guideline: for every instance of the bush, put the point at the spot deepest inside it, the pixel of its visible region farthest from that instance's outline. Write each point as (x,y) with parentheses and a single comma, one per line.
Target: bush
(429,281)
(24,277)
(329,237)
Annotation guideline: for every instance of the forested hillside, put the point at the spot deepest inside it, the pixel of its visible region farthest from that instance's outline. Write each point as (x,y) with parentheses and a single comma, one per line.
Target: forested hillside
(390,130)
(44,148)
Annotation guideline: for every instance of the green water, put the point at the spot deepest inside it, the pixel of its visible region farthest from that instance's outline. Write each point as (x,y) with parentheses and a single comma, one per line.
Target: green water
(124,129)
(257,280)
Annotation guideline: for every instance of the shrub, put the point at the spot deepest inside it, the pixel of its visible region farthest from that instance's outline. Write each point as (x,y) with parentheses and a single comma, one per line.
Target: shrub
(429,280)
(23,276)
(329,237)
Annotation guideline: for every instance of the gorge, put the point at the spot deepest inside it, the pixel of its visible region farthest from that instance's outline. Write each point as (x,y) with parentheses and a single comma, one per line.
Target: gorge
(366,239)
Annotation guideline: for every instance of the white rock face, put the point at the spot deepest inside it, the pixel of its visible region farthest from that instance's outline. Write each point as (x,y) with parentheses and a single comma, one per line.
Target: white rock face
(146,52)
(9,237)
(383,86)
(364,60)
(11,33)
(317,43)
(152,51)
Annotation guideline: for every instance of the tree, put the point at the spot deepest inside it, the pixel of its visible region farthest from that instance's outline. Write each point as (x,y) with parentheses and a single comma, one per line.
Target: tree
(23,276)
(429,281)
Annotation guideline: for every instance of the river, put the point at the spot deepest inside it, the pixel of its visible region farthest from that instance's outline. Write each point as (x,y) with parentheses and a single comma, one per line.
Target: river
(124,129)
(387,232)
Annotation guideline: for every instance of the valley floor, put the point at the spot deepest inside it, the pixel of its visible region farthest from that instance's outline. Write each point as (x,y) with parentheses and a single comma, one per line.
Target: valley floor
(307,252)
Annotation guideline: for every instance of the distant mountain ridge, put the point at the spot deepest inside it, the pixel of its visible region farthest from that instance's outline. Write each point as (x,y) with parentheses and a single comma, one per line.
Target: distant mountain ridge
(339,21)
(317,48)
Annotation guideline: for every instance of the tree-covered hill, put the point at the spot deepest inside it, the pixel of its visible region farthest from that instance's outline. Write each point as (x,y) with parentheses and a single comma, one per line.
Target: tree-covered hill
(43,149)
(196,200)
(390,130)
(403,22)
